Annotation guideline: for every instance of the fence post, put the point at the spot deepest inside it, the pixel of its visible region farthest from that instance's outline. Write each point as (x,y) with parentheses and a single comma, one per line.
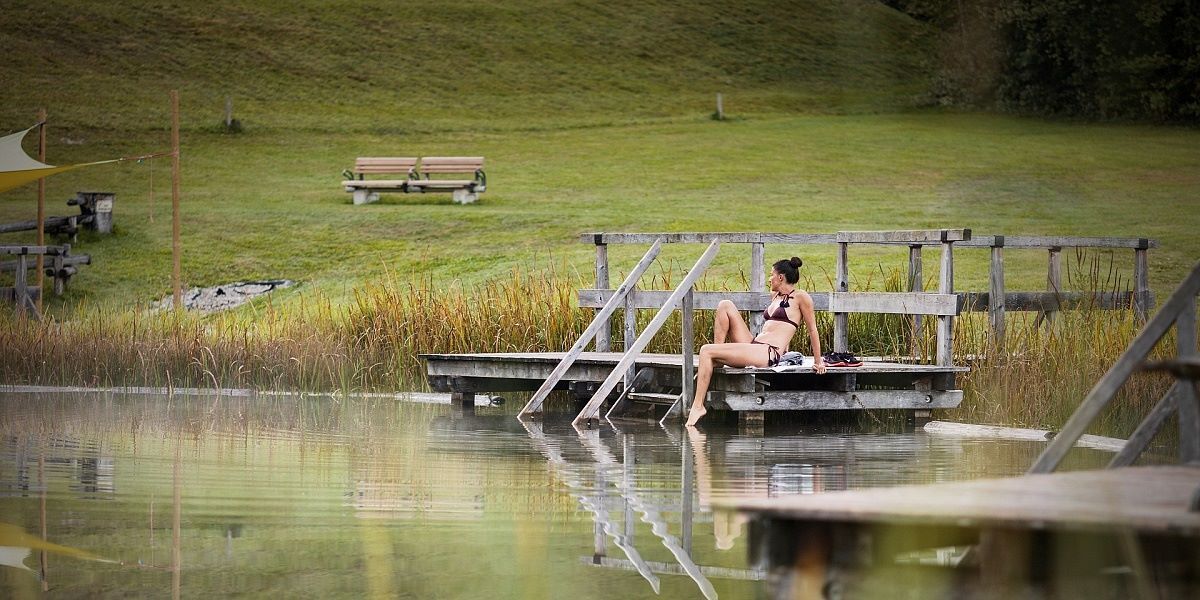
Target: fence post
(916,283)
(1054,279)
(689,348)
(630,330)
(996,292)
(1141,282)
(841,334)
(945,327)
(604,337)
(1187,402)
(758,278)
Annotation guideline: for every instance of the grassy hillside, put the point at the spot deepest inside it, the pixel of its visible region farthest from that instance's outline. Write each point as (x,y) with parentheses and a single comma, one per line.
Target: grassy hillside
(402,67)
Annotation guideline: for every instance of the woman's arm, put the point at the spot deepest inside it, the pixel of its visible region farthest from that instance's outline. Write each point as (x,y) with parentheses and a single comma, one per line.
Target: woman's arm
(810,323)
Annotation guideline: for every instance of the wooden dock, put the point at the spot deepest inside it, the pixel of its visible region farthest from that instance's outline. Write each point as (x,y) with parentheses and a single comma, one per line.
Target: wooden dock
(874,385)
(1025,534)
(594,378)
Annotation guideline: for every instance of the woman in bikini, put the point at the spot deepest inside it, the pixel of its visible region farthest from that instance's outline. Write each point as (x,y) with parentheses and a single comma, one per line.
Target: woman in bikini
(734,346)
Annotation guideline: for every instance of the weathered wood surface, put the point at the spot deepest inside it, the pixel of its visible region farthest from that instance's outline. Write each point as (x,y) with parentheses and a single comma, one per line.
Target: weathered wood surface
(927,236)
(1144,499)
(1103,392)
(972,431)
(1139,440)
(707,238)
(830,400)
(945,324)
(443,362)
(1047,242)
(631,350)
(67,261)
(20,250)
(848,302)
(600,321)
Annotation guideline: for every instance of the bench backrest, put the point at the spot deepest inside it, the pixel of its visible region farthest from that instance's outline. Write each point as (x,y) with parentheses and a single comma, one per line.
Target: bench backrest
(379,165)
(451,164)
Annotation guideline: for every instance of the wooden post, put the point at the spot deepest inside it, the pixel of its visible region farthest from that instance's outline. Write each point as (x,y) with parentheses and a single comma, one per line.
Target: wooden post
(228,112)
(176,279)
(604,336)
(20,287)
(758,279)
(945,327)
(1054,278)
(630,330)
(996,293)
(841,334)
(1141,283)
(688,389)
(720,108)
(916,283)
(41,206)
(1188,403)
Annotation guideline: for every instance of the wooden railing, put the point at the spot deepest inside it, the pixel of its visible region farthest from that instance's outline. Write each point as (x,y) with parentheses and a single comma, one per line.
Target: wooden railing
(944,304)
(1182,399)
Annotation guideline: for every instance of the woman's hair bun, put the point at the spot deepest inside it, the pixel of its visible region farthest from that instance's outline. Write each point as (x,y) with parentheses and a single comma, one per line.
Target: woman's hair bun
(796,262)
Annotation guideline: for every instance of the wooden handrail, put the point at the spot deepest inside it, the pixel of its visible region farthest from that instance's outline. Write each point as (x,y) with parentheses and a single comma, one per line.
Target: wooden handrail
(599,321)
(632,350)
(1183,299)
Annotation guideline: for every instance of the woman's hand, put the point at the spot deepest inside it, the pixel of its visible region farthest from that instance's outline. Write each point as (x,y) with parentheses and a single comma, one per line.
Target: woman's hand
(819,365)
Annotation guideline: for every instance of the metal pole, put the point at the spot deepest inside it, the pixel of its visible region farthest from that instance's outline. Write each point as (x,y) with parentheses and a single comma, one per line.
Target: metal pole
(41,207)
(176,285)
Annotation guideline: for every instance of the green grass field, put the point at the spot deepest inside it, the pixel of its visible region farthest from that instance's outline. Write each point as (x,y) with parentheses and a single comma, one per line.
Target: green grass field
(266,205)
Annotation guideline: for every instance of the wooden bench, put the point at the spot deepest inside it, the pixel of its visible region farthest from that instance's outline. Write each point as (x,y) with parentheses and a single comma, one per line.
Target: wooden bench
(464,190)
(367,190)
(417,177)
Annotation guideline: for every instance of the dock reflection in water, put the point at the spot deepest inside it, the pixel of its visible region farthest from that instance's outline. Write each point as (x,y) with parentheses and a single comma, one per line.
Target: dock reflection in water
(374,498)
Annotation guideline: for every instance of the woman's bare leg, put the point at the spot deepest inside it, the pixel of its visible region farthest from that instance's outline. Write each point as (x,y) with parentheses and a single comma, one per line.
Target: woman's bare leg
(731,354)
(728,325)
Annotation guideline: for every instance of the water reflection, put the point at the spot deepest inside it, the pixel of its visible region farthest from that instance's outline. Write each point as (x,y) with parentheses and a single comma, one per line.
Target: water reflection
(360,497)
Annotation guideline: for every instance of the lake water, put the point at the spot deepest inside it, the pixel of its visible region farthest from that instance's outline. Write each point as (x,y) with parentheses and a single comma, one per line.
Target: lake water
(151,496)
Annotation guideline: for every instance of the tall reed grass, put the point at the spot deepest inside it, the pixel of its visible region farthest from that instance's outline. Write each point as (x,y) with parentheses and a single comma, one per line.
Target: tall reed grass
(1036,378)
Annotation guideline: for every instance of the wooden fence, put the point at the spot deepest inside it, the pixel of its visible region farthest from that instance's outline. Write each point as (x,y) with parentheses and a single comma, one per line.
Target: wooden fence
(943,304)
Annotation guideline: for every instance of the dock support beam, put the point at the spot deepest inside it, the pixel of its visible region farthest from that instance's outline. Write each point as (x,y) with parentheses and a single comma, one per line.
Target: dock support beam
(996,293)
(1141,283)
(841,334)
(1054,278)
(1188,402)
(945,327)
(758,279)
(604,336)
(916,283)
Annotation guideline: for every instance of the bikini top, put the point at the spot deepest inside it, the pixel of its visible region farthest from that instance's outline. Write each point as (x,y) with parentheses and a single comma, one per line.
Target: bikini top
(780,313)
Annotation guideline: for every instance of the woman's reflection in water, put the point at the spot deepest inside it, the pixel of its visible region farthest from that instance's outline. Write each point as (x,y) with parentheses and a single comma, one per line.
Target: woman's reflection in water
(727,524)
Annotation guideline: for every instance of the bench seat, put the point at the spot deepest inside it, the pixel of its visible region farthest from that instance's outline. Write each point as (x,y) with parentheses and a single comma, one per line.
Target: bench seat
(417,172)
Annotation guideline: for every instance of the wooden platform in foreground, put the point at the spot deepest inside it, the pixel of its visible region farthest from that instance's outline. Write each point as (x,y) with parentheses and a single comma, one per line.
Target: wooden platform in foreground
(875,384)
(1144,499)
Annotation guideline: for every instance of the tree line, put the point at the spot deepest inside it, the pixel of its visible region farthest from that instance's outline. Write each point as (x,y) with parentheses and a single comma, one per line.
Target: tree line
(1099,59)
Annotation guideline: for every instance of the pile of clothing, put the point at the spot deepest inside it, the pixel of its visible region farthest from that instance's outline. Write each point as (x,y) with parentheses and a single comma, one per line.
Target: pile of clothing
(841,359)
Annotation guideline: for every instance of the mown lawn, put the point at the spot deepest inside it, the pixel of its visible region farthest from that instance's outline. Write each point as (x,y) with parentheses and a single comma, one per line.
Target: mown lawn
(267,204)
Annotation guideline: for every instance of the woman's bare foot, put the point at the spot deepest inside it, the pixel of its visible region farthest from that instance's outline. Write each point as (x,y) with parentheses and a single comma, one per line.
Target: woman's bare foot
(695,416)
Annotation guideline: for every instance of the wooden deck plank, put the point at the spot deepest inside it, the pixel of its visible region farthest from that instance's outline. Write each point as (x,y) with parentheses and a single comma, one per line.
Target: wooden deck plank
(673,360)
(1145,499)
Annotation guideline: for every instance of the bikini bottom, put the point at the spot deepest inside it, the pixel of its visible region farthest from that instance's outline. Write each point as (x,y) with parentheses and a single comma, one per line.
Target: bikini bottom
(773,353)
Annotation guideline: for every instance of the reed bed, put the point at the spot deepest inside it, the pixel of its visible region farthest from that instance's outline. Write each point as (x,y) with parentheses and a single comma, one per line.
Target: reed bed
(1035,378)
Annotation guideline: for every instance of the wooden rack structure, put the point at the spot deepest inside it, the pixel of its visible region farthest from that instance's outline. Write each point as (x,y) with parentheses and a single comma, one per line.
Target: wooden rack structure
(1031,529)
